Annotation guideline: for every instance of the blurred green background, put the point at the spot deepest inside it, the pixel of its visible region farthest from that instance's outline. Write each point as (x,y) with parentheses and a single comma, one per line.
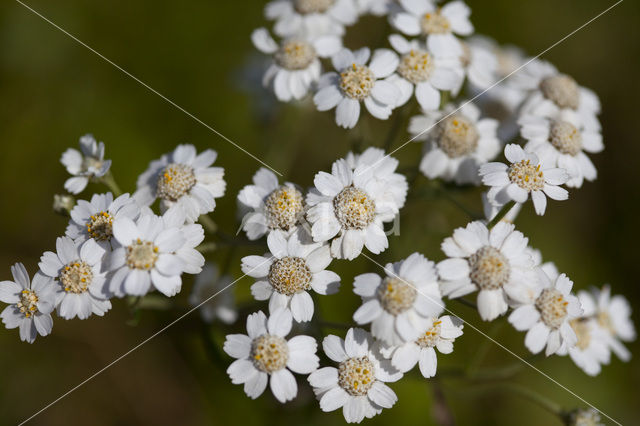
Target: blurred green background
(198,54)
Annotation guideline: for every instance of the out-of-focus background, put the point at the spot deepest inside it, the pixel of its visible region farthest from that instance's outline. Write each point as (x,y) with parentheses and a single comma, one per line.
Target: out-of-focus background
(198,54)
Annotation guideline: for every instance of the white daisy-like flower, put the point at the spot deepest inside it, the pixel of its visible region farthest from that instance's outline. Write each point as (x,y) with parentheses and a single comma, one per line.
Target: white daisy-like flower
(440,25)
(591,350)
(264,355)
(311,17)
(399,305)
(269,206)
(548,314)
(479,66)
(458,142)
(491,210)
(30,303)
(77,267)
(422,73)
(183,179)
(349,207)
(209,284)
(358,384)
(84,165)
(438,333)
(525,175)
(562,142)
(286,274)
(94,219)
(358,82)
(495,262)
(296,62)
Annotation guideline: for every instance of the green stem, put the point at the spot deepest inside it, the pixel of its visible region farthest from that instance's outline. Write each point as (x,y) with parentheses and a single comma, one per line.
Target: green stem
(110,182)
(207,247)
(502,213)
(483,350)
(208,224)
(535,397)
(466,302)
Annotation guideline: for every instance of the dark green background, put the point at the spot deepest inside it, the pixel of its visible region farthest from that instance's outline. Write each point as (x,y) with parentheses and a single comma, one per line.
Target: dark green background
(52,90)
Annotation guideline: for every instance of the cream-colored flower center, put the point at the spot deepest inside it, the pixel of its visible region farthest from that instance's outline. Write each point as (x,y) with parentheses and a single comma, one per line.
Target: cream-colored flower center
(91,164)
(458,136)
(583,332)
(435,23)
(142,255)
(604,321)
(416,66)
(295,55)
(28,303)
(526,175)
(354,208)
(431,336)
(290,275)
(396,296)
(490,268)
(565,137)
(100,226)
(283,208)
(305,7)
(174,181)
(552,307)
(356,375)
(562,90)
(76,277)
(357,81)
(269,353)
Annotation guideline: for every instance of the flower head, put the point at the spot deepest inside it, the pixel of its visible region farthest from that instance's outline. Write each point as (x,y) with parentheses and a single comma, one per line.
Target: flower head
(84,165)
(311,17)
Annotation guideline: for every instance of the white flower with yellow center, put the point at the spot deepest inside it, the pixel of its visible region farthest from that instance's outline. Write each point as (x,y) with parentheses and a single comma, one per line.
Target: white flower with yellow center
(78,269)
(478,64)
(358,384)
(296,62)
(358,82)
(285,276)
(525,175)
(438,333)
(547,315)
(311,17)
(494,262)
(84,165)
(440,25)
(591,350)
(398,305)
(182,179)
(210,285)
(30,303)
(457,144)
(264,355)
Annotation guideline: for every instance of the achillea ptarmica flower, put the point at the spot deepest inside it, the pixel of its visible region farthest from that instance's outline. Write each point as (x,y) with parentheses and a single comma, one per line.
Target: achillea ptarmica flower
(495,262)
(399,305)
(84,165)
(439,25)
(264,355)
(286,275)
(479,66)
(30,303)
(183,179)
(562,142)
(457,144)
(209,284)
(77,267)
(358,82)
(548,314)
(591,350)
(358,384)
(94,219)
(438,333)
(311,17)
(525,175)
(296,62)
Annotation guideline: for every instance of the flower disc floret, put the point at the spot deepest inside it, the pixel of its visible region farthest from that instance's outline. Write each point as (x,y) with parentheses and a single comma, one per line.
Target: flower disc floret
(356,375)
(526,175)
(283,207)
(458,136)
(435,23)
(175,180)
(295,55)
(561,90)
(354,208)
(430,337)
(552,306)
(416,66)
(100,226)
(290,275)
(396,296)
(565,137)
(28,303)
(76,277)
(269,353)
(490,268)
(357,82)
(142,255)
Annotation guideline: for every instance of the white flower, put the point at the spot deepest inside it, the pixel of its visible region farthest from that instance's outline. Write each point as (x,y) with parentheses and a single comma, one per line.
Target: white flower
(399,305)
(296,65)
(264,355)
(311,17)
(209,284)
(358,384)
(547,315)
(184,180)
(422,73)
(30,303)
(525,175)
(479,65)
(84,165)
(591,350)
(269,206)
(349,207)
(438,333)
(496,262)
(94,219)
(358,82)
(562,142)
(286,275)
(458,142)
(77,267)
(423,17)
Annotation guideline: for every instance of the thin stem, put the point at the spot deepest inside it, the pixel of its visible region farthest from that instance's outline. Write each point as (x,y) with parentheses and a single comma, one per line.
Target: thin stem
(466,302)
(207,247)
(110,182)
(483,350)
(442,413)
(208,224)
(535,397)
(502,213)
